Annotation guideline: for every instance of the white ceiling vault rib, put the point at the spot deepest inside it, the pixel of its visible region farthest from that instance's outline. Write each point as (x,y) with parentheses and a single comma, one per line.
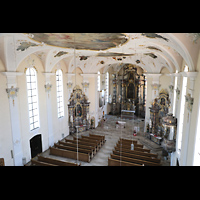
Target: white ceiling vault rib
(95,51)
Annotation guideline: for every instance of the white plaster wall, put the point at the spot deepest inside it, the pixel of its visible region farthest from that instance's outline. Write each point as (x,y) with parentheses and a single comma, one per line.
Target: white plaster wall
(60,125)
(26,134)
(164,80)
(194,119)
(6,144)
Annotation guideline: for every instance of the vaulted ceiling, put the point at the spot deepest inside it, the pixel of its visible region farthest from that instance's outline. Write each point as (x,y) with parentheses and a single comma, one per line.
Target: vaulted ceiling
(151,51)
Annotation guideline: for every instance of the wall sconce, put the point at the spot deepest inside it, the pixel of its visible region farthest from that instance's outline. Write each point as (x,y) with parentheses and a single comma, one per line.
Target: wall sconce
(171,88)
(189,101)
(12,92)
(177,93)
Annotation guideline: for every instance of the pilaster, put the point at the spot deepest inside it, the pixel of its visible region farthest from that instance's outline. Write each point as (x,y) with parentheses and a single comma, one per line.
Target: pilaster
(152,92)
(12,91)
(48,87)
(188,113)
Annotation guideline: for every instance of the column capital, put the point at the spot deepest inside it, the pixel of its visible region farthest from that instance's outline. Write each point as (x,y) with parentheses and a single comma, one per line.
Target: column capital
(11,78)
(47,76)
(89,75)
(154,76)
(191,75)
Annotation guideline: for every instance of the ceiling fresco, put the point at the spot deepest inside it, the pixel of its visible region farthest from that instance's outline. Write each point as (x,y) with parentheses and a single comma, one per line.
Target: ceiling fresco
(111,54)
(88,41)
(151,51)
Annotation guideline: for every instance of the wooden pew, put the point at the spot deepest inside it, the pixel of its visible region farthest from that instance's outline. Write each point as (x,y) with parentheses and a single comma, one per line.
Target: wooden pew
(128,141)
(93,149)
(146,154)
(102,137)
(114,162)
(135,148)
(81,142)
(2,163)
(129,144)
(39,163)
(97,144)
(69,154)
(74,149)
(93,139)
(140,157)
(133,160)
(56,162)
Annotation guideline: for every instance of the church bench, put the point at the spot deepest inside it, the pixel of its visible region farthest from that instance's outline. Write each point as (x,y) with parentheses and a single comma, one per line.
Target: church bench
(69,154)
(146,154)
(74,149)
(82,143)
(129,145)
(99,140)
(2,163)
(97,144)
(56,162)
(79,146)
(128,141)
(135,148)
(133,160)
(102,137)
(140,157)
(40,163)
(114,162)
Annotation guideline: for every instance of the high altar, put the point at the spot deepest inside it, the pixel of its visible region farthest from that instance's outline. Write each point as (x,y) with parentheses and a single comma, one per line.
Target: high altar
(78,108)
(128,91)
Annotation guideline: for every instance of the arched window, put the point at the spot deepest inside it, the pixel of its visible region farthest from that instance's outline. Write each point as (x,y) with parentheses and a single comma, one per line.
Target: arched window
(107,86)
(98,81)
(59,86)
(32,91)
(182,108)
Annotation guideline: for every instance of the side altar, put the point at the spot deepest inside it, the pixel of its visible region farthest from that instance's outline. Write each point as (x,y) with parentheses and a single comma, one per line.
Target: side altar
(78,109)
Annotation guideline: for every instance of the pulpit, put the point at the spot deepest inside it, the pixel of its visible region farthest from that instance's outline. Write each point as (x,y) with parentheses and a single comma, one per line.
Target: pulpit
(78,108)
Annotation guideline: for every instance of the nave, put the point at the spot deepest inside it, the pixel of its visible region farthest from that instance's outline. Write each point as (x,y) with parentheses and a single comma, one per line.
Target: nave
(54,85)
(112,135)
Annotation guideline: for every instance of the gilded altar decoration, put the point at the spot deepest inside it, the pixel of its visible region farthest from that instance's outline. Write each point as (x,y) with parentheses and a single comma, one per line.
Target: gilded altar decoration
(78,108)
(128,91)
(170,128)
(158,110)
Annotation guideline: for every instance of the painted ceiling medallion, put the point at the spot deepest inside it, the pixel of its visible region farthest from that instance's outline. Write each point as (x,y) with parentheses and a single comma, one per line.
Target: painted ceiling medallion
(88,41)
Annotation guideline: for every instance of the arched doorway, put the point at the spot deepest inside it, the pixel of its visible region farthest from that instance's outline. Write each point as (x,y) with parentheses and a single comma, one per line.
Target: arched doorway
(36,145)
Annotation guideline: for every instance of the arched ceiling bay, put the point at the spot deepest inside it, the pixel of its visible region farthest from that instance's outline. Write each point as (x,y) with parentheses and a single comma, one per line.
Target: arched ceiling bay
(150,51)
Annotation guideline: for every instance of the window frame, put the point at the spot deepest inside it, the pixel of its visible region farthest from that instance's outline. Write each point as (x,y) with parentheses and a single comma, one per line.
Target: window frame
(59,94)
(32,99)
(182,108)
(107,86)
(98,81)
